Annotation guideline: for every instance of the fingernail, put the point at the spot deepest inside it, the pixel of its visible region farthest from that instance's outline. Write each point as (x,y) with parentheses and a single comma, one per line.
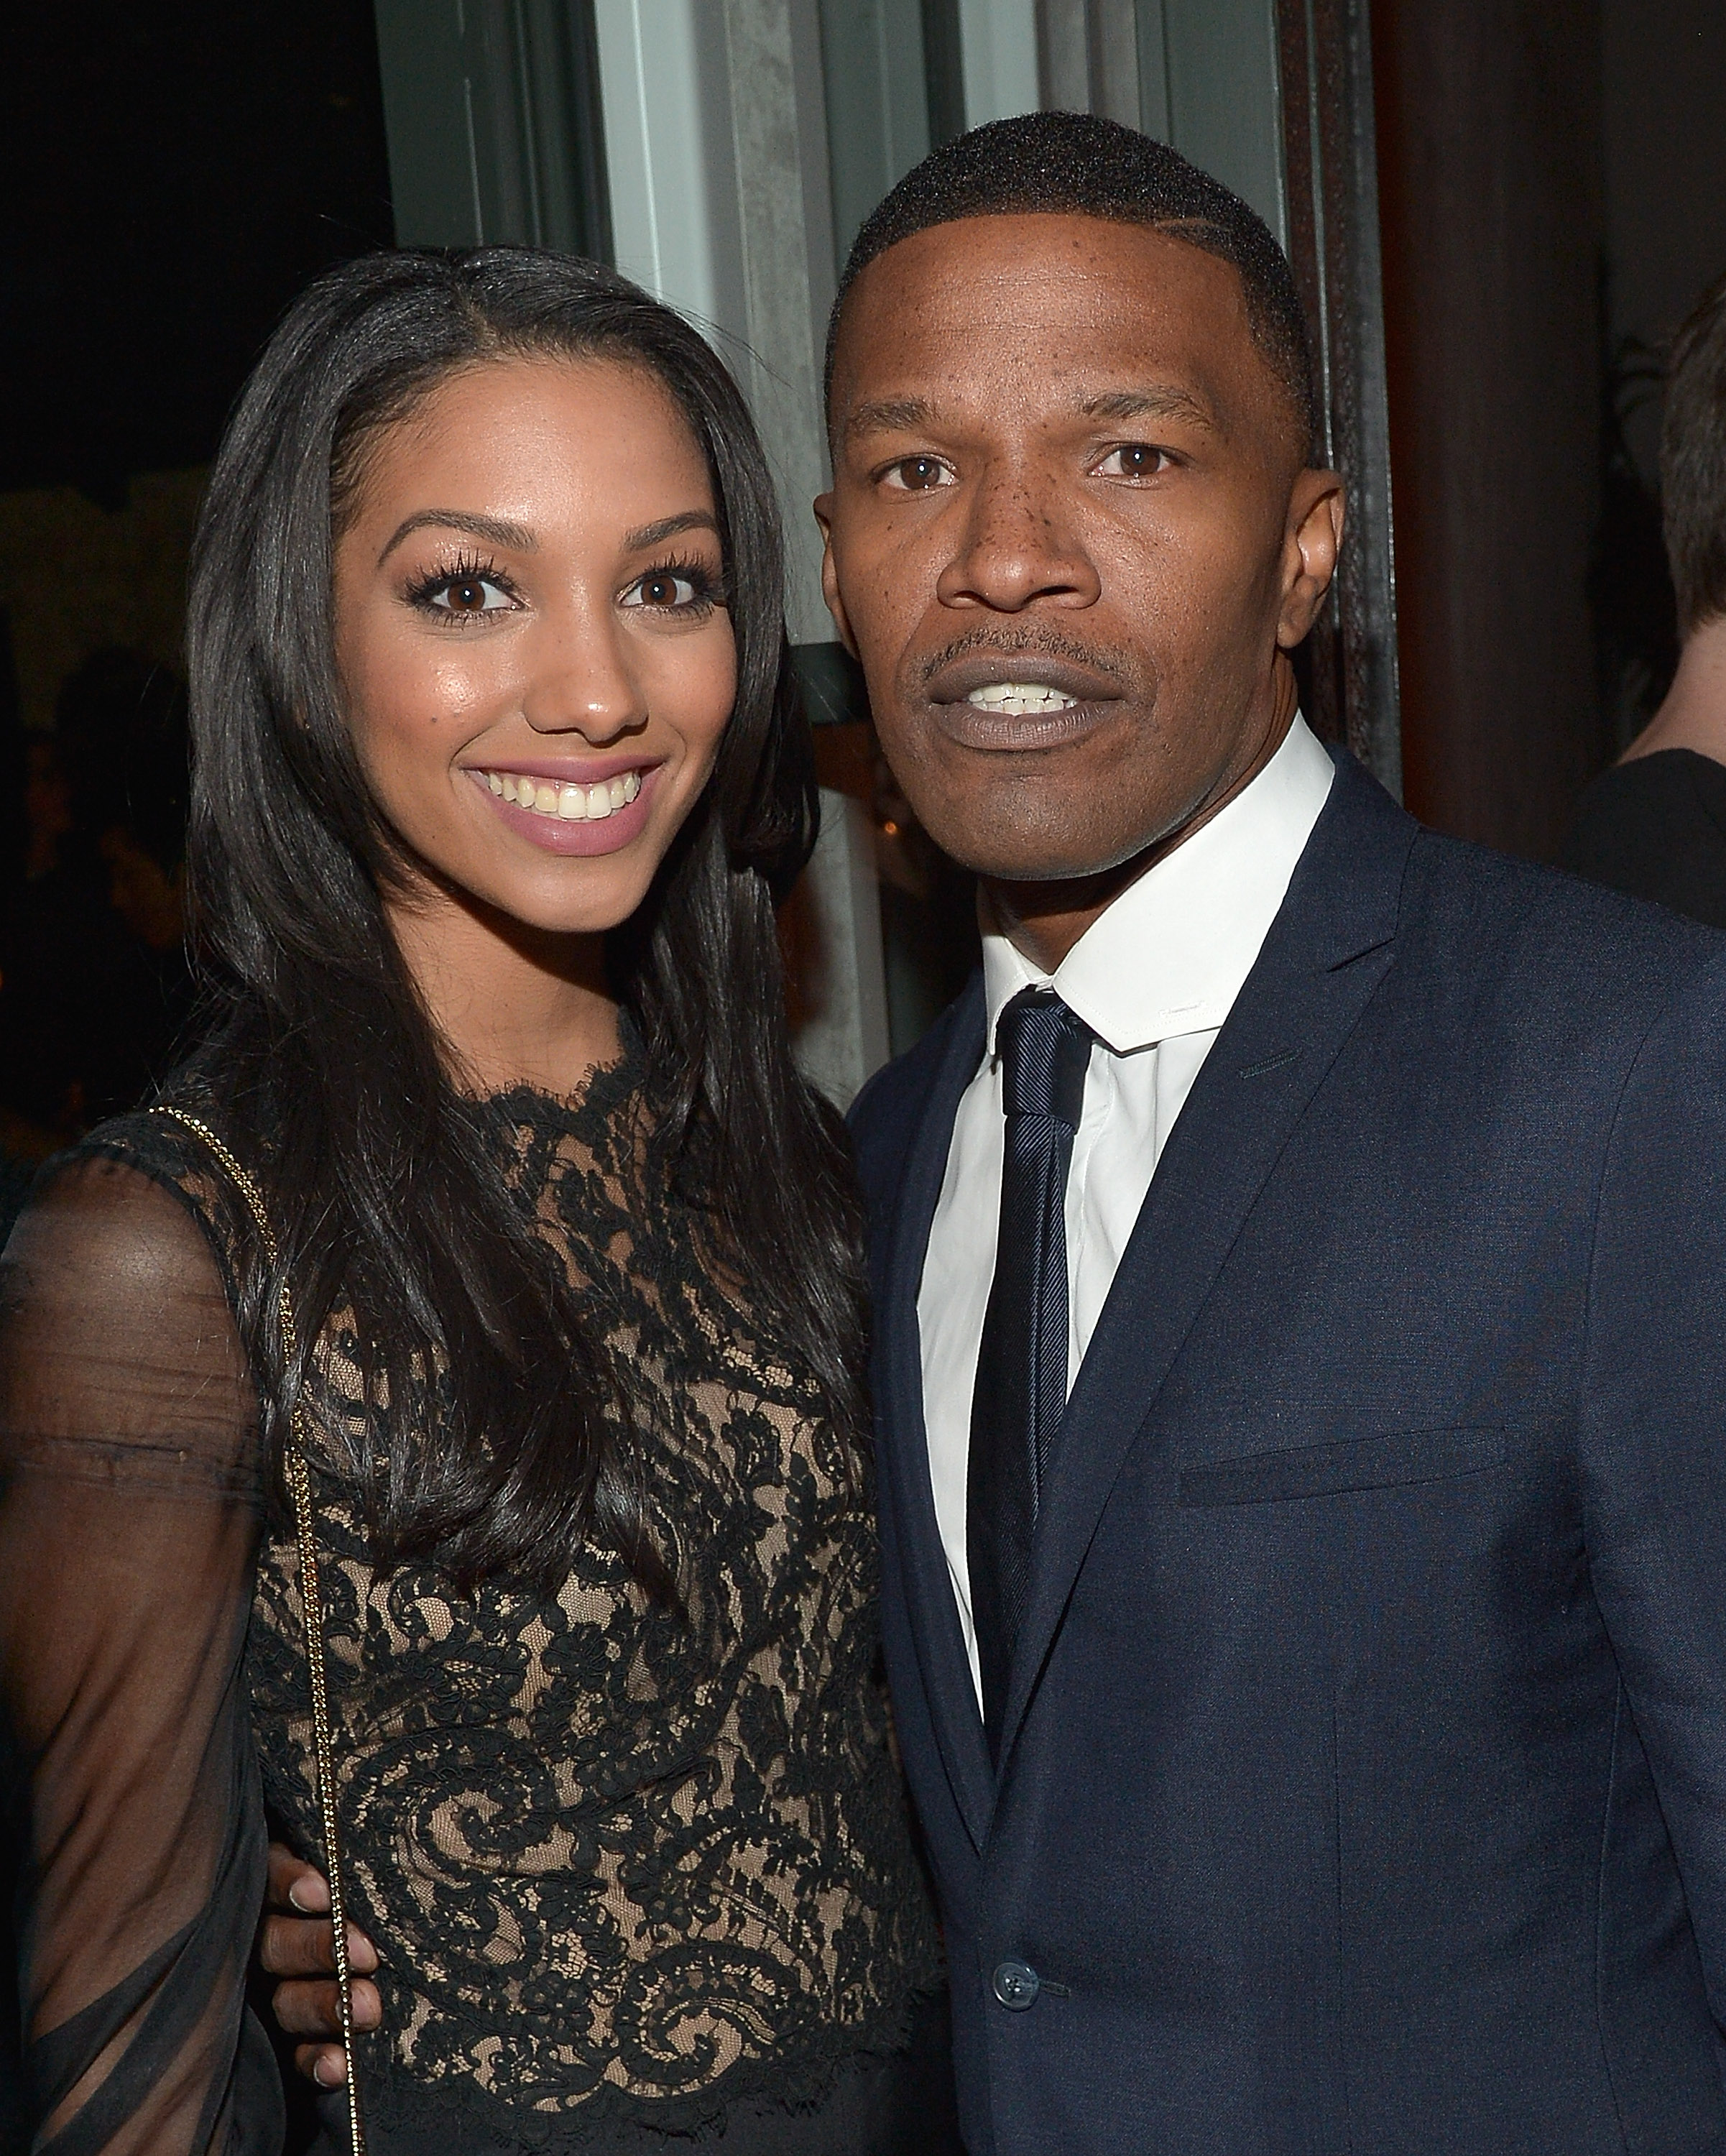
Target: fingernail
(331,2073)
(295,1895)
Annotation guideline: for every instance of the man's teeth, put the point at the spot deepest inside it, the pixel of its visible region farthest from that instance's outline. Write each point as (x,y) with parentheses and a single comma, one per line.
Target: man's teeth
(573,804)
(1020,699)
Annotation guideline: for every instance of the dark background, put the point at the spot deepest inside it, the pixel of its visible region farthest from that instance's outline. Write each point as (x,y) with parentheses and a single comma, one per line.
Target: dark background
(1552,200)
(173,176)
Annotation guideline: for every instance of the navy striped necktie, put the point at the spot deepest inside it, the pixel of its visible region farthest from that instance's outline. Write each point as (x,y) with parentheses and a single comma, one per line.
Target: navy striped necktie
(1021,1393)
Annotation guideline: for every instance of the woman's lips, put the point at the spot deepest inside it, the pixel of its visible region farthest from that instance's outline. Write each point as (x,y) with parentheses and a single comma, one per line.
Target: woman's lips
(559,829)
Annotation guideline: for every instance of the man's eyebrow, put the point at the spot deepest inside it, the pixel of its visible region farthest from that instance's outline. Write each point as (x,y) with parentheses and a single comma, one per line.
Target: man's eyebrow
(1158,400)
(890,415)
(495,531)
(911,415)
(668,528)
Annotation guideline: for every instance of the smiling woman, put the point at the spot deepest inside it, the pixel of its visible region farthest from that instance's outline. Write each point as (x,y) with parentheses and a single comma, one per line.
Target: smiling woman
(548,1309)
(539,663)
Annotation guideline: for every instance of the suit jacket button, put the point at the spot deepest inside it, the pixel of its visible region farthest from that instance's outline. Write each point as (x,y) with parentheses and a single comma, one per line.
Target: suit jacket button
(1017,1985)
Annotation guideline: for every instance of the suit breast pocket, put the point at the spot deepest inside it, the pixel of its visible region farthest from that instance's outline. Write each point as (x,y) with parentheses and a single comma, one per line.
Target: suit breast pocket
(1386,1462)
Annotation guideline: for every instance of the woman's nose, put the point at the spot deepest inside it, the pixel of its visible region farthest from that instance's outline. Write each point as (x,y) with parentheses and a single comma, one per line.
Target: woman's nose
(583,682)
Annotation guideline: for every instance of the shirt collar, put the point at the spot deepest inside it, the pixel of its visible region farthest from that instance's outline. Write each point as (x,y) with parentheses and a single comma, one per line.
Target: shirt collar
(1171,955)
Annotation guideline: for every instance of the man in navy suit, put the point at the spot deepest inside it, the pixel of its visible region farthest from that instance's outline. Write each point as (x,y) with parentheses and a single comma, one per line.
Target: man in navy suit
(1299,1269)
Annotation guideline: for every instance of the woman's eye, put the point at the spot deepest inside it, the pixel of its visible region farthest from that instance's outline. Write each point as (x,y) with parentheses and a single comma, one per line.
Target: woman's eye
(663,589)
(1133,460)
(917,475)
(469,595)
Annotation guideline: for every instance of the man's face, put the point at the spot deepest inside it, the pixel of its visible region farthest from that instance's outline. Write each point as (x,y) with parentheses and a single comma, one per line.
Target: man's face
(1071,536)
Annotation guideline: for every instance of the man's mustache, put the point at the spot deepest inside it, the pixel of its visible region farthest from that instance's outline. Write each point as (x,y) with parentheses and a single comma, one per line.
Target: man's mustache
(1030,642)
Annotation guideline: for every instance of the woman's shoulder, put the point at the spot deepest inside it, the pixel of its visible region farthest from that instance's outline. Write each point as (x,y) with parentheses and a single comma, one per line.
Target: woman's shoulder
(138,1208)
(175,1144)
(119,1352)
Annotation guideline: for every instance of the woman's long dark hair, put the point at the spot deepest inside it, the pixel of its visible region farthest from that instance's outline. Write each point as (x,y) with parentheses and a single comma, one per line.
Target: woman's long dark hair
(322,1063)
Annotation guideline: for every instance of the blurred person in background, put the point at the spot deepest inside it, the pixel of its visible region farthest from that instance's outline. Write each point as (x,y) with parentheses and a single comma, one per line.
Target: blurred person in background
(1655,824)
(141,843)
(93,984)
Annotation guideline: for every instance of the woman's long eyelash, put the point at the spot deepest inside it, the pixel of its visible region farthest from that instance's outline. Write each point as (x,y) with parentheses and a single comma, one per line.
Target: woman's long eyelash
(422,590)
(710,588)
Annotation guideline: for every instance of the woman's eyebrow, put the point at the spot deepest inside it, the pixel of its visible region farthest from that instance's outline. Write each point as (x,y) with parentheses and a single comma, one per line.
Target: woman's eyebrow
(668,528)
(495,531)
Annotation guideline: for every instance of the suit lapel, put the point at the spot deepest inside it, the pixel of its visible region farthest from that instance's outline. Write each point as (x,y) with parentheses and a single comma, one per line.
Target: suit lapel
(904,1448)
(1329,948)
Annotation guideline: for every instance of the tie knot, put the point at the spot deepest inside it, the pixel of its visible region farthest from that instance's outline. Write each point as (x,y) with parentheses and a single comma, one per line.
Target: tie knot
(1045,1049)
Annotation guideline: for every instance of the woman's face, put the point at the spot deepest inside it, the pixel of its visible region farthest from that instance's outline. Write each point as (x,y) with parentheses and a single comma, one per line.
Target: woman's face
(531,635)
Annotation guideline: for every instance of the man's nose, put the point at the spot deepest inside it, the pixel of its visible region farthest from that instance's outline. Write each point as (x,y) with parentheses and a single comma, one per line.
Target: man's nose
(583,680)
(1020,544)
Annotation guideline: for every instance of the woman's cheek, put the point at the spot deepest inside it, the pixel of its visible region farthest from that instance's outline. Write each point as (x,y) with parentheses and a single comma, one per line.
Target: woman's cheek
(718,690)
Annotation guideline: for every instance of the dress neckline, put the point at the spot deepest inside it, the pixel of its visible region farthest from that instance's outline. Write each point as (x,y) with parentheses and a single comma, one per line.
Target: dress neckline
(606,1088)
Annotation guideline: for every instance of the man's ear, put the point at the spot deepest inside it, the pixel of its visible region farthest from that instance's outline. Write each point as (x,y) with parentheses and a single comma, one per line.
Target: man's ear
(1311,544)
(830,575)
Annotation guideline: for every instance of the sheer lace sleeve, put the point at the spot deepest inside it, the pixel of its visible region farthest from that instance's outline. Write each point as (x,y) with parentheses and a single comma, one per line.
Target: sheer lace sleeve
(128,1518)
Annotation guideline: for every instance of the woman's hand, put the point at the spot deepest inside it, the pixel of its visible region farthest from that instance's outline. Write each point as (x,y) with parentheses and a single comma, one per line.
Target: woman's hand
(295,1941)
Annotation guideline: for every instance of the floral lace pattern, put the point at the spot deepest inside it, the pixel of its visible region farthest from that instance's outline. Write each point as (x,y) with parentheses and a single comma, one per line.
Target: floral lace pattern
(614,1858)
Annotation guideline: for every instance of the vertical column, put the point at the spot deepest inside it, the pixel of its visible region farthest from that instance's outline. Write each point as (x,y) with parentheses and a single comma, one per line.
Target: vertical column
(1112,52)
(669,158)
(877,68)
(1352,692)
(1225,98)
(1087,58)
(717,148)
(1151,39)
(1064,59)
(491,114)
(998,40)
(1202,75)
(779,132)
(832,932)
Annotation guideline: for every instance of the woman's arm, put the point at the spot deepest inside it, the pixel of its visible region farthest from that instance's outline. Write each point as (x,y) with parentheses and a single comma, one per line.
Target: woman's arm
(129,1507)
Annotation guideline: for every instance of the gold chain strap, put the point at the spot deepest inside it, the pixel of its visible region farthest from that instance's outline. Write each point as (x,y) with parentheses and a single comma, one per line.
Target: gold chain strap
(299,1479)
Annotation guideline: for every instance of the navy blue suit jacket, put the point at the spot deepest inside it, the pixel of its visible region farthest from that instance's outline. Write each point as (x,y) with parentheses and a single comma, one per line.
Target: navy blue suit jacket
(1364,1780)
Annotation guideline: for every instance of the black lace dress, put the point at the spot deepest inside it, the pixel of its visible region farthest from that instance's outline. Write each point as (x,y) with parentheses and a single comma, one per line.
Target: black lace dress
(633,1876)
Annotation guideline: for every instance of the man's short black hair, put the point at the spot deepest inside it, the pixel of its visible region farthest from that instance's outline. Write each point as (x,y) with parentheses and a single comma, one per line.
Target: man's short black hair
(1073,163)
(1692,461)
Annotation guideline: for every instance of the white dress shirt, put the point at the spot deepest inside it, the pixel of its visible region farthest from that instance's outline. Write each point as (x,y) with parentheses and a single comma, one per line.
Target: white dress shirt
(1154,977)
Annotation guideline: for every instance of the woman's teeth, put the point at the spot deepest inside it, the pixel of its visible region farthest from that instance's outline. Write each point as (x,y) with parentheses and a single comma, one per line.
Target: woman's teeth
(574,804)
(1020,699)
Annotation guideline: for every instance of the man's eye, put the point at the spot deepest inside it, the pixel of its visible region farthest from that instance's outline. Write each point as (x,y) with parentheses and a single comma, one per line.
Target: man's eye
(917,474)
(1133,460)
